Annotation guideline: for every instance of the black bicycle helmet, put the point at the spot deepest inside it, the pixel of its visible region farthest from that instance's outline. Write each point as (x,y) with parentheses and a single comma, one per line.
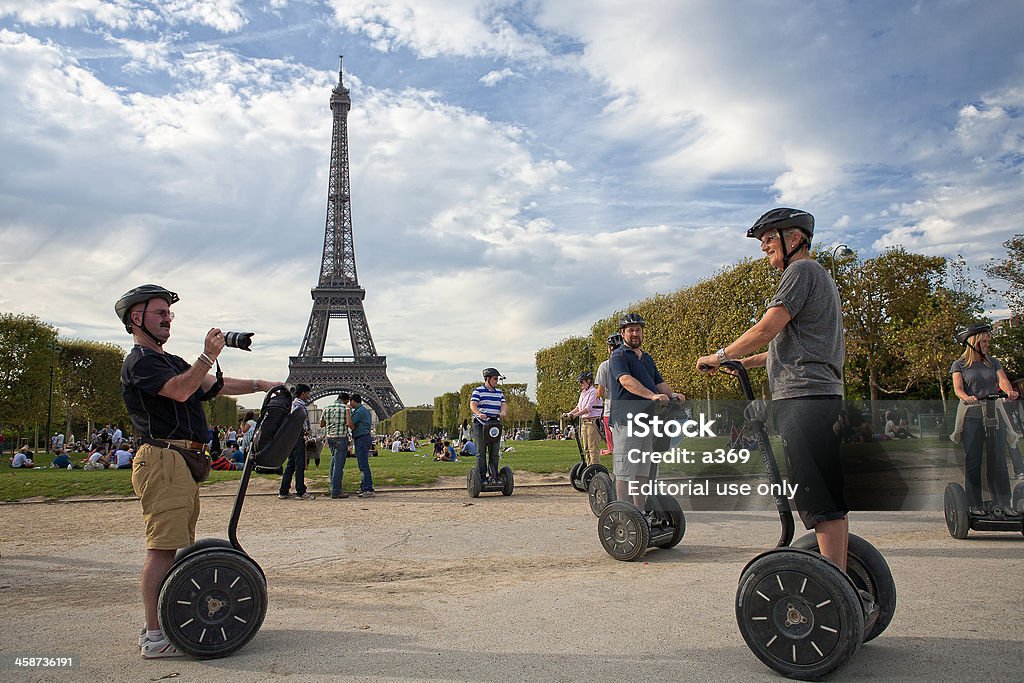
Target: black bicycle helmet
(138,295)
(492,372)
(783,219)
(963,335)
(586,377)
(631,319)
(615,340)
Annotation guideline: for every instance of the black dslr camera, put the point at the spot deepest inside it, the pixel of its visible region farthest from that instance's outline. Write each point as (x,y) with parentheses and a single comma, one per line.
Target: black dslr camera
(239,340)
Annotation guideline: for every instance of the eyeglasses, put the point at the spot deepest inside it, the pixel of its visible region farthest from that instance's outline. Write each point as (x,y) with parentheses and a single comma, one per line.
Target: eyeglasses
(163,314)
(768,239)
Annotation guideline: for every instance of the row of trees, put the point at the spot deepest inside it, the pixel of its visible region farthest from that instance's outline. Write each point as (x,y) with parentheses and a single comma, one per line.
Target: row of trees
(451,408)
(86,384)
(86,381)
(900,312)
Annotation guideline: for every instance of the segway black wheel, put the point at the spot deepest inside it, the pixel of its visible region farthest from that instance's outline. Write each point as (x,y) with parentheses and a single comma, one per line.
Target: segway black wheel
(958,520)
(508,482)
(1017,501)
(574,477)
(473,483)
(588,473)
(624,531)
(671,509)
(212,603)
(799,613)
(600,493)
(870,573)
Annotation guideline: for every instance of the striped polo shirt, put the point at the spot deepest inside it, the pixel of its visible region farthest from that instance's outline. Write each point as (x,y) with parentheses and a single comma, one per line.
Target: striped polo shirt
(488,400)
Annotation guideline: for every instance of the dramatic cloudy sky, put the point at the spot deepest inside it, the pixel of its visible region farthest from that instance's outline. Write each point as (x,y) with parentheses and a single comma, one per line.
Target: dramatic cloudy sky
(519,168)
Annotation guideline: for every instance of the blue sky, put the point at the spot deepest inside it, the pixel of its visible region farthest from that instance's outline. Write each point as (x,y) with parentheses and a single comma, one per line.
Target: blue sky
(519,169)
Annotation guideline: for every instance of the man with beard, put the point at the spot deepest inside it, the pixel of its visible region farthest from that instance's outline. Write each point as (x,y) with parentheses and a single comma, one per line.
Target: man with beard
(636,383)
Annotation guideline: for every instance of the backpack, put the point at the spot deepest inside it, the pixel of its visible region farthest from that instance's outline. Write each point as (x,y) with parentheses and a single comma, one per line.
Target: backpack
(277,429)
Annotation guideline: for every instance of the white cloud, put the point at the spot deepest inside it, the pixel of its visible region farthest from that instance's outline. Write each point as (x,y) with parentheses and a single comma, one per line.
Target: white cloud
(438,27)
(492,78)
(224,15)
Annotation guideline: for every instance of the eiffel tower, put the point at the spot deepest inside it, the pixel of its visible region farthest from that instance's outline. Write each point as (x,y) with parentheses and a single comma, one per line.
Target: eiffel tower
(338,295)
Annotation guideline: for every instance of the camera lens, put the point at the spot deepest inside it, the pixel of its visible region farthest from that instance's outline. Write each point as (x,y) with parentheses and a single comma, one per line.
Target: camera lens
(238,340)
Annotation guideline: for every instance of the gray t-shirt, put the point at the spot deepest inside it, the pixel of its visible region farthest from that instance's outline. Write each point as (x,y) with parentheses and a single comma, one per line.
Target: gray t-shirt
(604,378)
(806,357)
(980,380)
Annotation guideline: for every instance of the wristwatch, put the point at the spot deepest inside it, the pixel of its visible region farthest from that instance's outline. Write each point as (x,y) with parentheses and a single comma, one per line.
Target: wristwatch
(721,355)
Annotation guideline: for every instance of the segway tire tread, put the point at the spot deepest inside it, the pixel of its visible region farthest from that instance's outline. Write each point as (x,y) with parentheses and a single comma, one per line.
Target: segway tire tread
(212,602)
(869,572)
(799,613)
(624,531)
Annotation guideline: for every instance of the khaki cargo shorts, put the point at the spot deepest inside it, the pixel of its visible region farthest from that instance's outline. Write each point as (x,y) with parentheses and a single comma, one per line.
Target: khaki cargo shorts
(170,497)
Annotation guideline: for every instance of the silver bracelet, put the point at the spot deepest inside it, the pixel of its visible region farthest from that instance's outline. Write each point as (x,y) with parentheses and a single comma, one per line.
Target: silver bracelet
(206,359)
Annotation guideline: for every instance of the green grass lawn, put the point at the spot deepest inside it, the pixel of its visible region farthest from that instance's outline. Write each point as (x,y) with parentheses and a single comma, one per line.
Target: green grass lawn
(410,469)
(389,469)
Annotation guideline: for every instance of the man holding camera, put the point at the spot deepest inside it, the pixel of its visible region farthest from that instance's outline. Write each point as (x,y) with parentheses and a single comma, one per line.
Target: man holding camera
(163,394)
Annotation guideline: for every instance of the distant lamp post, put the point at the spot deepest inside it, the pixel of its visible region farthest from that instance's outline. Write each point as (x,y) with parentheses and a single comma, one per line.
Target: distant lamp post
(54,350)
(841,251)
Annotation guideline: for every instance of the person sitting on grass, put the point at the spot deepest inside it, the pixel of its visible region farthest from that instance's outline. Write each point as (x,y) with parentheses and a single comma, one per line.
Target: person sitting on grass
(96,460)
(446,452)
(23,458)
(223,462)
(438,449)
(467,448)
(61,460)
(122,458)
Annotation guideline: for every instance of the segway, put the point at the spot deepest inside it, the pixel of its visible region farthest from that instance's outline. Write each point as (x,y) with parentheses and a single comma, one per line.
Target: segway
(959,518)
(581,473)
(503,481)
(798,612)
(214,597)
(624,531)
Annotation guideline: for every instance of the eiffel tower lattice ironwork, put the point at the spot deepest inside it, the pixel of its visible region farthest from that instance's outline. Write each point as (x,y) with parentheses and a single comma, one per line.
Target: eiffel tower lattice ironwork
(338,295)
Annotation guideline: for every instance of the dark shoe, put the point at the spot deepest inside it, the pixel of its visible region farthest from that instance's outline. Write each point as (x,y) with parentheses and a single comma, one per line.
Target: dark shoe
(284,496)
(336,496)
(977,511)
(366,494)
(305,496)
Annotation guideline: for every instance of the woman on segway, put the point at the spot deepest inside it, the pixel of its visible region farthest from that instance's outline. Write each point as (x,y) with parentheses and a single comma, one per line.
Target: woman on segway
(975,376)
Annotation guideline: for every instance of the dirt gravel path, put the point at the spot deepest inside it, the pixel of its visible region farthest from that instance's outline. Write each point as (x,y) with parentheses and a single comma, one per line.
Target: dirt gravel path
(433,586)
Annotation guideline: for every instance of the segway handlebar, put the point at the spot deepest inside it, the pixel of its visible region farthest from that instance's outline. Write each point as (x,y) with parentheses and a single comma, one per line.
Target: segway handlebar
(771,467)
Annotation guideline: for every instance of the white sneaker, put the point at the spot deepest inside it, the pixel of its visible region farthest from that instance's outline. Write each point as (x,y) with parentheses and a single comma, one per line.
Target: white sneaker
(154,649)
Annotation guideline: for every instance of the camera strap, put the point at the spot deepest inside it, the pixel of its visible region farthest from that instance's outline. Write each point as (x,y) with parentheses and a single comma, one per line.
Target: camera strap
(217,386)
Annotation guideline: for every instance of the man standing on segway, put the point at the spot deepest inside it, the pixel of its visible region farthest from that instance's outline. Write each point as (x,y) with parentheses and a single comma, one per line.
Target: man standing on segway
(588,409)
(163,394)
(637,383)
(487,401)
(803,328)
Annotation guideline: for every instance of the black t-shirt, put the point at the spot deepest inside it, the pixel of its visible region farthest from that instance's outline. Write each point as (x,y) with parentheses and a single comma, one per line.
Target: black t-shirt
(143,375)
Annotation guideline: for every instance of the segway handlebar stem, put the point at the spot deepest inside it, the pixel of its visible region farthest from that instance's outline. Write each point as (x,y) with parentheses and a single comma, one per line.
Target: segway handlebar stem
(771,467)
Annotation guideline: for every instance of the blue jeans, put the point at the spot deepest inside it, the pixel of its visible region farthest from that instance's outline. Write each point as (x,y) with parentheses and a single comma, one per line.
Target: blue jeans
(362,444)
(339,451)
(487,455)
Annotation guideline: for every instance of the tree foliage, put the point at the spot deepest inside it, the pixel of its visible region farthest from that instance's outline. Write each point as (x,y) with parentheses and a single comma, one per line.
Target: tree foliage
(24,368)
(558,370)
(446,412)
(1011,270)
(89,384)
